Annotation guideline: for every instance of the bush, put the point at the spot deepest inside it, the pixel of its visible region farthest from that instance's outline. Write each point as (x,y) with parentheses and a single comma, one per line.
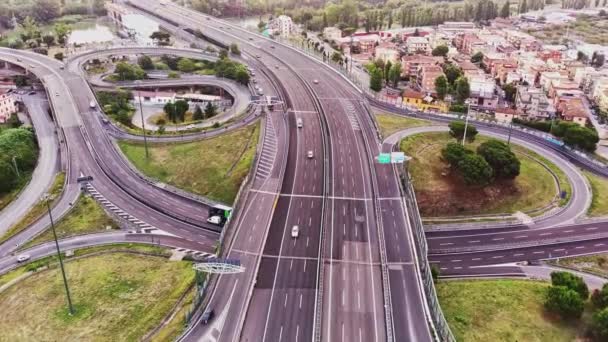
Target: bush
(457,130)
(503,161)
(599,325)
(539,125)
(458,108)
(565,302)
(570,281)
(475,170)
(582,137)
(453,153)
(20,144)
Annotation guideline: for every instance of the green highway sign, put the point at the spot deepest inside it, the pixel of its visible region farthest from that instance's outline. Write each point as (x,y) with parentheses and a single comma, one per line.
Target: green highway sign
(384,158)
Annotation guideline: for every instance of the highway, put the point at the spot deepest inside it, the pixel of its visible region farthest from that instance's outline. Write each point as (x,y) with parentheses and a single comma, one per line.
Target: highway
(48,163)
(355,208)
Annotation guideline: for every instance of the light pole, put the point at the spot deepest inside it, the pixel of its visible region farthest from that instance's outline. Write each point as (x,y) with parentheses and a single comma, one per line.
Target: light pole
(510,129)
(143,125)
(47,198)
(466,122)
(16,167)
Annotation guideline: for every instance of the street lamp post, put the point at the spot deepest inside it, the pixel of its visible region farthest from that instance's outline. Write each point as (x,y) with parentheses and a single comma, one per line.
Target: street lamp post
(510,129)
(16,167)
(143,125)
(47,200)
(466,122)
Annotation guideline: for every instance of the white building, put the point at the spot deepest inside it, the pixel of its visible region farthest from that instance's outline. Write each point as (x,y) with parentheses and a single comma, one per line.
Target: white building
(417,44)
(483,86)
(387,54)
(332,33)
(282,25)
(7,105)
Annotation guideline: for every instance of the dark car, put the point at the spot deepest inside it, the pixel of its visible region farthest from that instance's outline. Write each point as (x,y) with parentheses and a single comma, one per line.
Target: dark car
(207,316)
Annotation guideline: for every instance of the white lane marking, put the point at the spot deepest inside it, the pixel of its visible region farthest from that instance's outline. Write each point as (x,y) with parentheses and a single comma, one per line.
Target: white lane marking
(497,256)
(297,332)
(474,241)
(518,254)
(300,301)
(281,334)
(498,239)
(545,234)
(285,303)
(598,245)
(456,260)
(579,247)
(290,264)
(591,228)
(476,259)
(538,252)
(446,244)
(521,236)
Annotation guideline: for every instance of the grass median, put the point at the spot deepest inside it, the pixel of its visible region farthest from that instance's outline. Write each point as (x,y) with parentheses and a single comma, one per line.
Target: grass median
(440,194)
(599,189)
(501,310)
(87,216)
(391,123)
(37,210)
(117,297)
(213,167)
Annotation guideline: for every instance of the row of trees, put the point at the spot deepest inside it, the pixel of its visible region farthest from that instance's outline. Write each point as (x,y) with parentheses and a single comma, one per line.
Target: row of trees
(567,296)
(493,159)
(571,133)
(18,154)
(176,111)
(116,105)
(383,73)
(454,83)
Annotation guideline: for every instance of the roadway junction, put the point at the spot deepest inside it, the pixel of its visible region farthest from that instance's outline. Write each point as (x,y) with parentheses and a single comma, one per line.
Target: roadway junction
(355,270)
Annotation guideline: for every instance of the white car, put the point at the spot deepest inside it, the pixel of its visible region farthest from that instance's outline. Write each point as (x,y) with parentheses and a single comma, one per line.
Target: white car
(215,220)
(315,81)
(309,154)
(23,258)
(295,231)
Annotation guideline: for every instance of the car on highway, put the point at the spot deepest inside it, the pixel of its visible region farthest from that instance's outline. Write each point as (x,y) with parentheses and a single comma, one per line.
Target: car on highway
(92,104)
(310,155)
(258,56)
(276,66)
(207,316)
(295,231)
(23,258)
(272,46)
(216,220)
(32,93)
(260,91)
(315,81)
(299,123)
(57,94)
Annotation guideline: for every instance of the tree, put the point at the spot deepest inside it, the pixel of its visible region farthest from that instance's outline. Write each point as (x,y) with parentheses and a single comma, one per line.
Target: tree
(505,11)
(599,325)
(375,80)
(510,91)
(452,72)
(234,48)
(30,29)
(181,107)
(571,282)
(59,56)
(198,113)
(242,76)
(20,144)
(210,110)
(600,297)
(62,31)
(582,57)
(336,57)
(45,10)
(454,152)
(145,62)
(160,37)
(565,302)
(394,74)
(457,130)
(475,170)
(477,58)
(581,137)
(441,50)
(186,65)
(598,60)
(499,156)
(463,91)
(169,110)
(126,71)
(48,39)
(441,86)
(523,7)
(387,69)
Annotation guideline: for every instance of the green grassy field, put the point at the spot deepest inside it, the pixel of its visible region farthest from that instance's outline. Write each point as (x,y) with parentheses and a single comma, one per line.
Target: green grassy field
(391,123)
(500,310)
(213,167)
(599,188)
(592,30)
(38,210)
(7,198)
(117,297)
(86,216)
(441,193)
(596,263)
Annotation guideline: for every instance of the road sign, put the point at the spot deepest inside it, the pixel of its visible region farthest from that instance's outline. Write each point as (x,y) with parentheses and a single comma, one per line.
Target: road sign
(397,157)
(384,158)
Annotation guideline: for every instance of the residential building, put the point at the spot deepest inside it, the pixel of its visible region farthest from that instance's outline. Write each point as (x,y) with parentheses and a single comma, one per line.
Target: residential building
(549,77)
(574,110)
(425,79)
(416,99)
(483,95)
(506,114)
(387,53)
(533,103)
(8,105)
(417,45)
(554,55)
(332,33)
(457,26)
(602,100)
(492,58)
(283,25)
(410,64)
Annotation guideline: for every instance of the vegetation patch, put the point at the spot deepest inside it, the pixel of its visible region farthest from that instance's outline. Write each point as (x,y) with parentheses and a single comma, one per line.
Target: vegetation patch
(501,310)
(596,263)
(391,123)
(18,158)
(117,297)
(443,193)
(592,30)
(213,167)
(599,189)
(37,210)
(85,217)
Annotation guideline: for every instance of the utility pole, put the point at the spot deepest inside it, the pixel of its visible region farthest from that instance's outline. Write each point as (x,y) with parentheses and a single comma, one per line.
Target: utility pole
(143,125)
(47,199)
(510,129)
